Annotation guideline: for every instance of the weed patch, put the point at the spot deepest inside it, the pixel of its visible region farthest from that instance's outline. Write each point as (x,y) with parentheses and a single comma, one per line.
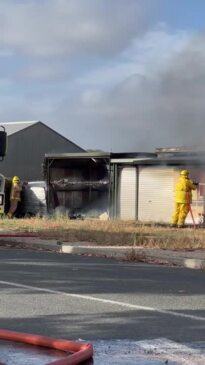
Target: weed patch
(121,233)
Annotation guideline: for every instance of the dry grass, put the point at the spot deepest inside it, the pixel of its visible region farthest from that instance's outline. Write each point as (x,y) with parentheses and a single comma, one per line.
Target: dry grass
(130,233)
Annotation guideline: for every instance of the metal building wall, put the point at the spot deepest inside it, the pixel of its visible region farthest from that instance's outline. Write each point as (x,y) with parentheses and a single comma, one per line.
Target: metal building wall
(128,193)
(156,193)
(26,150)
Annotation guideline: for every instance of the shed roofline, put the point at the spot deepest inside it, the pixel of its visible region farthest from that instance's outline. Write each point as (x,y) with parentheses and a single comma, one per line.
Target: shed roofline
(60,135)
(20,130)
(24,122)
(33,123)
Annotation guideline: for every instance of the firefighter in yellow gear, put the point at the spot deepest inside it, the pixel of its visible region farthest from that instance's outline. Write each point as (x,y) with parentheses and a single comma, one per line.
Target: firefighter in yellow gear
(183,198)
(15,195)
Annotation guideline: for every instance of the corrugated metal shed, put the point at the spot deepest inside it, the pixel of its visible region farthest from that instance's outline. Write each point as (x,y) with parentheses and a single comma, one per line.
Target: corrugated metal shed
(28,142)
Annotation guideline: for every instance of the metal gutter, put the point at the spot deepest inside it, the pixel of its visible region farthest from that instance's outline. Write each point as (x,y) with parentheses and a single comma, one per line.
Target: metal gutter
(76,155)
(128,160)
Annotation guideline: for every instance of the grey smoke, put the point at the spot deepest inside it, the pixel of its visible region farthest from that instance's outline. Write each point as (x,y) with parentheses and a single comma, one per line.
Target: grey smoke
(164,109)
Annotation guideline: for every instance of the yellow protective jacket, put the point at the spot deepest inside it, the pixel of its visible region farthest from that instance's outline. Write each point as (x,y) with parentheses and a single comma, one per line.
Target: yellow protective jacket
(16,192)
(184,189)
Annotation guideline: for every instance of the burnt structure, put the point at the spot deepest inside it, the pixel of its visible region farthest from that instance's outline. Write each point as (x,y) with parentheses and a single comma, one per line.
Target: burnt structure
(77,184)
(88,184)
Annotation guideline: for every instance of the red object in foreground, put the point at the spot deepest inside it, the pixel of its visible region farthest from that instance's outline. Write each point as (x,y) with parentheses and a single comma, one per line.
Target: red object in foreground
(80,351)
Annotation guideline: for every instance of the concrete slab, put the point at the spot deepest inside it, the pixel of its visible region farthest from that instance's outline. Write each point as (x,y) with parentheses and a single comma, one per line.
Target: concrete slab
(151,352)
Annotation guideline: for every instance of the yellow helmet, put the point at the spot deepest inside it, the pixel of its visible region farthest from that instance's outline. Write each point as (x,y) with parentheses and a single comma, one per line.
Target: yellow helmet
(15,179)
(184,173)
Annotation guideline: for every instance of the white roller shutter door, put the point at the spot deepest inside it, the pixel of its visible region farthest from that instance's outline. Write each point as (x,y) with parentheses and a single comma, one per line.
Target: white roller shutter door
(156,194)
(128,193)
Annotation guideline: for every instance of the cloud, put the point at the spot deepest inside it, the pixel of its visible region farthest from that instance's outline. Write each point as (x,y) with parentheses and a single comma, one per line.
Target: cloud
(44,71)
(69,27)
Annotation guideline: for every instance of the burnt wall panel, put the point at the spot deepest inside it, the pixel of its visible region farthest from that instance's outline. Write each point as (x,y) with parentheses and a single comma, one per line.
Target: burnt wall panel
(78,186)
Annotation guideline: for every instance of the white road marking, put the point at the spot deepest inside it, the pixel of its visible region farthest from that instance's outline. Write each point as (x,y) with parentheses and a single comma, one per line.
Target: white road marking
(105,301)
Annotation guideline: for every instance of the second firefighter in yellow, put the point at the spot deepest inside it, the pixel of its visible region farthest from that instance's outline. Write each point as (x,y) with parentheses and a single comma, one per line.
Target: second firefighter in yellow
(183,198)
(15,196)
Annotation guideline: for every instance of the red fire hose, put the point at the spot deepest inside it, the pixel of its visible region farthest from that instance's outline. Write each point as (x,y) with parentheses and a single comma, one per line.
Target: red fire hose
(80,351)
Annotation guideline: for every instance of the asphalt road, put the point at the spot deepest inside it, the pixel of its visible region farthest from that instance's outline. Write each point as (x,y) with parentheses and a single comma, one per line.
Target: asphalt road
(93,298)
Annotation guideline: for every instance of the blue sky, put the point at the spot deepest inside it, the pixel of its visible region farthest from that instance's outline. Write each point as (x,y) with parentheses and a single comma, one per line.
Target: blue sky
(185,14)
(117,75)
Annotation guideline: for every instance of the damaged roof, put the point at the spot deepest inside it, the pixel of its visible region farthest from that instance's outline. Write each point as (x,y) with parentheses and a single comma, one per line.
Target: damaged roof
(138,158)
(183,159)
(113,155)
(181,149)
